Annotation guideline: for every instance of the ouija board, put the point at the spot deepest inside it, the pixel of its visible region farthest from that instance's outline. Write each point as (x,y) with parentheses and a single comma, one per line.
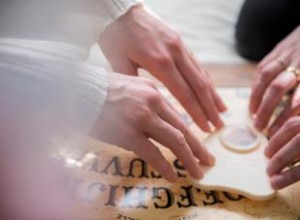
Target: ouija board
(111,183)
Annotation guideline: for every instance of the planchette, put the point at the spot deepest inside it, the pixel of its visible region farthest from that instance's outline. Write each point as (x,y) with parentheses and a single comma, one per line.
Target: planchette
(240,161)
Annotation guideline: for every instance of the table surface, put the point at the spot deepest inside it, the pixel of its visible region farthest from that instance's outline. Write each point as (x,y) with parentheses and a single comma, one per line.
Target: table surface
(112,183)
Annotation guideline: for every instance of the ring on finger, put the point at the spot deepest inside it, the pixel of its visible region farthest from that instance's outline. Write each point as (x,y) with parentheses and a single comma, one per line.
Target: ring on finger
(295,163)
(295,71)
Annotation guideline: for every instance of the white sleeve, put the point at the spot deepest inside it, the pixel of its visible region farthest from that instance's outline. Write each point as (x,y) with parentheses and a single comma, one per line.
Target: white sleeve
(117,8)
(110,10)
(57,93)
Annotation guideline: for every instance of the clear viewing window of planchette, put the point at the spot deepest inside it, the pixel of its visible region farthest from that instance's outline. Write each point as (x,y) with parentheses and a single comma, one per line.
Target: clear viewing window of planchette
(239,138)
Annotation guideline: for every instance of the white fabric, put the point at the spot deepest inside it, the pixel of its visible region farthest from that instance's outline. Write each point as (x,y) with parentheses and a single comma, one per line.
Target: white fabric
(117,8)
(43,47)
(59,92)
(78,22)
(207,27)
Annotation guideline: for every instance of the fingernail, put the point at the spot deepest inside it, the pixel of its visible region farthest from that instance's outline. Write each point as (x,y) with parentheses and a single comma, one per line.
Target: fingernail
(267,153)
(251,110)
(207,128)
(224,108)
(257,124)
(275,127)
(220,124)
(270,171)
(211,159)
(199,173)
(277,182)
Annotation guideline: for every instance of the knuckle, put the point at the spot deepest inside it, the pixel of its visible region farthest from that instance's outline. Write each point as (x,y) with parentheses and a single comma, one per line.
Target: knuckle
(277,87)
(163,60)
(153,98)
(296,101)
(203,86)
(188,98)
(296,119)
(174,41)
(145,115)
(184,130)
(180,138)
(265,76)
(293,124)
(278,160)
(297,139)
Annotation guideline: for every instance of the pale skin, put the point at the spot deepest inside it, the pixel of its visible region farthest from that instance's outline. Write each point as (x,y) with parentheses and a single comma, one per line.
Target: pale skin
(136,112)
(283,149)
(140,39)
(271,83)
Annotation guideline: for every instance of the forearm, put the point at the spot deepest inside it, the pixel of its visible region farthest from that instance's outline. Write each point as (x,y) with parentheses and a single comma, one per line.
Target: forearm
(63,92)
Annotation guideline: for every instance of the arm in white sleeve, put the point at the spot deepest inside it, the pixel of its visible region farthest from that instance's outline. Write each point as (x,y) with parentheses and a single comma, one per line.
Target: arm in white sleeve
(117,8)
(110,10)
(60,95)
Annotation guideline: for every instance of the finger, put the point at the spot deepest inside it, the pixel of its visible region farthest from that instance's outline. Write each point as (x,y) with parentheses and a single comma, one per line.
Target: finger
(218,101)
(168,114)
(172,138)
(273,55)
(284,157)
(181,90)
(283,136)
(278,54)
(292,109)
(286,178)
(221,106)
(201,88)
(152,155)
(261,82)
(279,86)
(178,86)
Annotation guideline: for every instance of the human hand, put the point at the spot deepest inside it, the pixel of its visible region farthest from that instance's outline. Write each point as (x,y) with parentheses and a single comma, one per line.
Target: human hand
(272,82)
(141,39)
(135,112)
(284,150)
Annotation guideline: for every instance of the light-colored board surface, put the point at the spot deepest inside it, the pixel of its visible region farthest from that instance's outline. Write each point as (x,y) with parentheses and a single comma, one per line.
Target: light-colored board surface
(111,183)
(242,172)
